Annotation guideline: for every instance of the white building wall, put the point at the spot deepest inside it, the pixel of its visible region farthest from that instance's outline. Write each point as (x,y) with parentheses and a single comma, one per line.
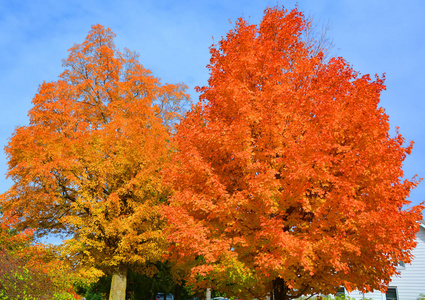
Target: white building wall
(411,281)
(376,295)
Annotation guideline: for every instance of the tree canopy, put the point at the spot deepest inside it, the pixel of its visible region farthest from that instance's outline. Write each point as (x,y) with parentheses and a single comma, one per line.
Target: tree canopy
(287,179)
(88,164)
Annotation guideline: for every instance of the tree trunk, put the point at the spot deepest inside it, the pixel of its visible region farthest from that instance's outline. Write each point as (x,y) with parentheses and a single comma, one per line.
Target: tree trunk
(119,284)
(177,292)
(280,290)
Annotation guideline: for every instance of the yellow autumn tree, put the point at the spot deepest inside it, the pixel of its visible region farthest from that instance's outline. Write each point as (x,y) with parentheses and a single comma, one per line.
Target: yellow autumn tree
(88,164)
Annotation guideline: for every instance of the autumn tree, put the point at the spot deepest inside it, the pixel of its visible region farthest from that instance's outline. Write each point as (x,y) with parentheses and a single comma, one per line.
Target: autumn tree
(31,270)
(88,164)
(287,180)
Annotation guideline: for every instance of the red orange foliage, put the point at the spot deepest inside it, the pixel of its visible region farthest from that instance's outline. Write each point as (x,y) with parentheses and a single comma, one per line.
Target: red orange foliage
(286,177)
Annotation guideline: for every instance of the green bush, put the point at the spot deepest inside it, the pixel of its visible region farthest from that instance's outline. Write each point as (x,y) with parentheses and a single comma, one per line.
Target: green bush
(421,296)
(93,296)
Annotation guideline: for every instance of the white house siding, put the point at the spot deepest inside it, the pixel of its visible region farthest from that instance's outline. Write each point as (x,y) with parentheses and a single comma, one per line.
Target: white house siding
(411,281)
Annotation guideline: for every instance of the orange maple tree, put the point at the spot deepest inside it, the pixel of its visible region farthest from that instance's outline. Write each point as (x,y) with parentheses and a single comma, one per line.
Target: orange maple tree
(88,164)
(287,179)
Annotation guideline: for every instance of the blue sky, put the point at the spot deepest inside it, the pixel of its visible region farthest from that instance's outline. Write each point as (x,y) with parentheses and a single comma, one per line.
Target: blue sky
(173,38)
